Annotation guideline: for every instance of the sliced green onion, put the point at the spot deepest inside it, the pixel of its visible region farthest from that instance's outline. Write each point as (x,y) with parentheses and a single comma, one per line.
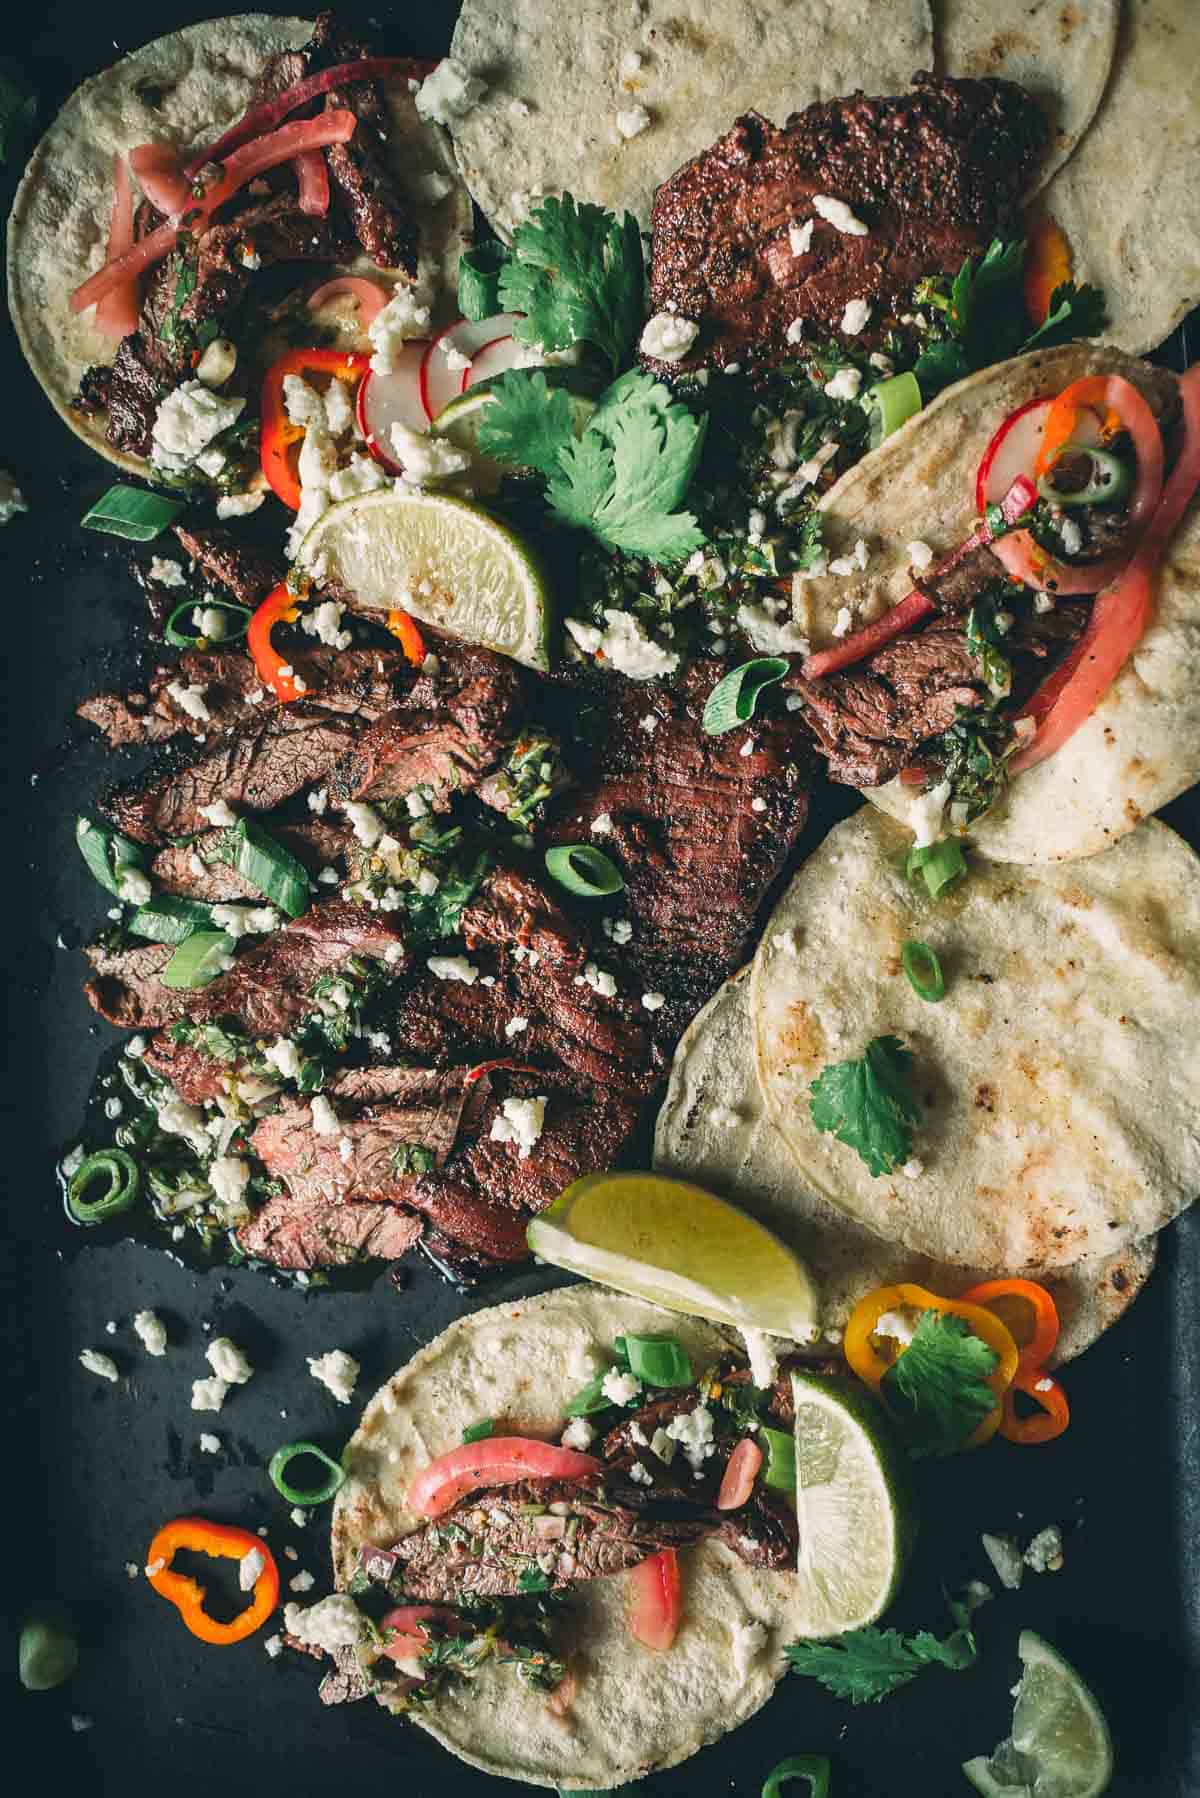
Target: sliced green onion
(479,280)
(924,970)
(584,870)
(589,1398)
(813,1767)
(479,1432)
(278,1465)
(939,865)
(166,919)
(106,852)
(892,403)
(132,513)
(732,700)
(779,1447)
(180,640)
(48,1652)
(270,869)
(199,958)
(658,1360)
(1109,478)
(124,1183)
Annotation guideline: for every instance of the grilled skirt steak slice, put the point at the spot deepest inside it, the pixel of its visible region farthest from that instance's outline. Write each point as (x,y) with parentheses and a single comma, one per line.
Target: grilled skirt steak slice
(125,988)
(241,569)
(360,175)
(934,174)
(483,1546)
(183,868)
(302,1234)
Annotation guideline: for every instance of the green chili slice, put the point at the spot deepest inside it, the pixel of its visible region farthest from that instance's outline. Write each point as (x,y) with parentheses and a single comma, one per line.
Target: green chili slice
(479,1432)
(813,1767)
(479,280)
(939,865)
(779,1469)
(1103,478)
(658,1360)
(316,1495)
(131,513)
(732,700)
(199,958)
(107,853)
(584,870)
(892,403)
(924,971)
(124,1183)
(180,640)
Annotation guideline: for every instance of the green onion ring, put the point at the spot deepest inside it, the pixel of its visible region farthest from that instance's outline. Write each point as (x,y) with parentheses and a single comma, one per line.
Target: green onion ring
(479,1432)
(892,403)
(179,640)
(1109,478)
(939,865)
(317,1495)
(813,1767)
(124,1184)
(582,869)
(924,970)
(733,699)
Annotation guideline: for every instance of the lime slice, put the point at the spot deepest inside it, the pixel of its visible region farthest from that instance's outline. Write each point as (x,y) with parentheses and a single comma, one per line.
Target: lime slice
(1060,1746)
(460,420)
(854,1504)
(447,562)
(680,1247)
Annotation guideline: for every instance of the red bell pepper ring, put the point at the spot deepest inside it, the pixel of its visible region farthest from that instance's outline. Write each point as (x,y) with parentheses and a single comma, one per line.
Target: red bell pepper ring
(657,1600)
(1050,1419)
(280,437)
(188,1595)
(278,607)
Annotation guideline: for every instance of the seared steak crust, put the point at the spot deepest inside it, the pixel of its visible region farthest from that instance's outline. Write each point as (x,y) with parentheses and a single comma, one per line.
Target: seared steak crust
(223,560)
(934,174)
(359,173)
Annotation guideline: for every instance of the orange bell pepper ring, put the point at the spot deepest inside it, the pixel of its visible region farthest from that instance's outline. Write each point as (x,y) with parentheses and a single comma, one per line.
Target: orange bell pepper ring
(279,606)
(188,1595)
(279,436)
(1027,1311)
(1050,1419)
(404,629)
(870,1357)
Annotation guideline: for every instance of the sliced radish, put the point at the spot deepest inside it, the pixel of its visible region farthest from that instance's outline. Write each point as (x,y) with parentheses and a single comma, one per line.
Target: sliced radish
(439,382)
(393,399)
(495,358)
(1012,451)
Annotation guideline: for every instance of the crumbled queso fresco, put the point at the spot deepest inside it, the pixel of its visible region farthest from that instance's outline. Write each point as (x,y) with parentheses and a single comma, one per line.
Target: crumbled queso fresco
(228,1361)
(624,646)
(185,424)
(520,1121)
(331,1623)
(450,93)
(337,1371)
(667,337)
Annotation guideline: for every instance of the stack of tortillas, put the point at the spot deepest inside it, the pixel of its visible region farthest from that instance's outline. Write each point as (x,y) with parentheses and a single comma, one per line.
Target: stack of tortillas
(565,86)
(1056,1081)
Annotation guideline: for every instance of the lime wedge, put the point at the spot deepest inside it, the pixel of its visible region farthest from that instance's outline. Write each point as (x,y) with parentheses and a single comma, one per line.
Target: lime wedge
(1060,1746)
(441,559)
(680,1247)
(460,420)
(854,1505)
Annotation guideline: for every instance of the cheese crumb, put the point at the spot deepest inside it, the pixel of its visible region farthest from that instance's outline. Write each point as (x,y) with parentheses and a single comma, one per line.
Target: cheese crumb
(228,1361)
(855,316)
(337,1371)
(520,1121)
(667,337)
(800,242)
(839,215)
(151,1332)
(103,1366)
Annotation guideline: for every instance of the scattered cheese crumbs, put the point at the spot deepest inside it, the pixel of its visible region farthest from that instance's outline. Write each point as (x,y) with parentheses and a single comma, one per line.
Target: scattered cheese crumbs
(515,1026)
(324,1117)
(795,331)
(365,822)
(1005,1556)
(764,1362)
(425,459)
(1072,536)
(667,337)
(912,1170)
(153,1567)
(209,1395)
(209,1444)
(301,1582)
(337,1371)
(250,1569)
(220,814)
(845,617)
(641,1476)
(600,980)
(919,556)
(519,108)
(274,1646)
(800,242)
(132,1570)
(749,1640)
(654,1001)
(190,699)
(694,1433)
(619,929)
(747,747)
(167,573)
(839,215)
(844,385)
(855,316)
(1043,602)
(450,93)
(103,1366)
(228,1361)
(298,1517)
(1045,1552)
(284,1055)
(237,505)
(578,1434)
(632,121)
(649,723)
(151,1332)
(520,1121)
(620,1388)
(1043,1386)
(453,967)
(630,64)
(333,1622)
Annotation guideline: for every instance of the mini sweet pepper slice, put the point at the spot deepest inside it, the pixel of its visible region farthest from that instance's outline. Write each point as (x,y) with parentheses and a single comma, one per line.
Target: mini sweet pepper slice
(1027,1311)
(280,606)
(865,1344)
(280,437)
(1052,1416)
(188,1595)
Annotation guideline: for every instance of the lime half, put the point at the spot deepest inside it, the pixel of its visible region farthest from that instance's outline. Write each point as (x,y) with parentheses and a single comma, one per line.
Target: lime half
(1060,1746)
(443,560)
(680,1247)
(854,1505)
(459,421)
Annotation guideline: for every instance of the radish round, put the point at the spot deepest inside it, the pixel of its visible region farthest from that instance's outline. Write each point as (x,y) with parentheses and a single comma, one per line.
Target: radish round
(496,358)
(393,399)
(440,383)
(1012,451)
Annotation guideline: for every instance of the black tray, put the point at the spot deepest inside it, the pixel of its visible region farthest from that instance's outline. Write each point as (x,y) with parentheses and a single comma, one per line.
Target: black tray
(92,1470)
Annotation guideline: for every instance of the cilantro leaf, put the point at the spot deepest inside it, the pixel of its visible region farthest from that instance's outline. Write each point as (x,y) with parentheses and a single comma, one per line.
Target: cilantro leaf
(576,272)
(583,482)
(938,1387)
(866,1104)
(527,424)
(938,366)
(1074,312)
(866,1665)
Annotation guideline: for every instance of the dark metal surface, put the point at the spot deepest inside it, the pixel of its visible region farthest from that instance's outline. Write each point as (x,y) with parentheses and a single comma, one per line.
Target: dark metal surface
(93,1469)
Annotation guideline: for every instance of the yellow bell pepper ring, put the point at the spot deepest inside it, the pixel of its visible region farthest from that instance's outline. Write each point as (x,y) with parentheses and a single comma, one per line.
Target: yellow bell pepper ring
(871,1354)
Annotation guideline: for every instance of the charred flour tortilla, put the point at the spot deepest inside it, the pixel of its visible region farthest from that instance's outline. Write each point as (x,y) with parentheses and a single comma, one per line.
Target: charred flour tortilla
(1141,746)
(1128,200)
(697,66)
(714,1129)
(185,88)
(635,1710)
(1057,1080)
(1062,55)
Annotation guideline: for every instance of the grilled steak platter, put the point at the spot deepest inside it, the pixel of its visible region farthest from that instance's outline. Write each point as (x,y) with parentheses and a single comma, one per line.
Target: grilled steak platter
(531,547)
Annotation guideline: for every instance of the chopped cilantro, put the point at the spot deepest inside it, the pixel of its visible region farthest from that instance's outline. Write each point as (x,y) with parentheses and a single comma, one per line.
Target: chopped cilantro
(985,640)
(439,913)
(866,1665)
(576,272)
(866,1104)
(1074,312)
(411,1158)
(532,1579)
(938,1387)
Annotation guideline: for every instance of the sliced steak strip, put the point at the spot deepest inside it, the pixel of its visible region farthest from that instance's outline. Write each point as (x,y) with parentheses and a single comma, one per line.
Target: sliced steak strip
(183,868)
(360,175)
(297,1234)
(247,572)
(125,988)
(934,174)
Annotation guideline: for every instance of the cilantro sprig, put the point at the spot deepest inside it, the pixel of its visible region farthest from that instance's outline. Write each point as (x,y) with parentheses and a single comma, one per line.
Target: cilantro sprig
(866,1104)
(624,480)
(866,1665)
(577,273)
(937,1389)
